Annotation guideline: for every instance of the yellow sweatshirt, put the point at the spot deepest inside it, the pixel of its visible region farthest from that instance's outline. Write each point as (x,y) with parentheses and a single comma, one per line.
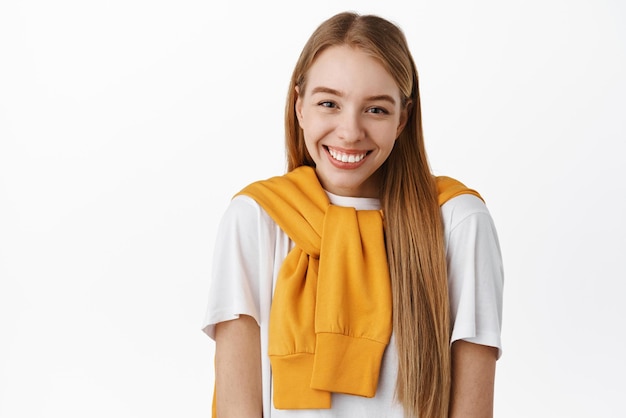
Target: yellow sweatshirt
(330,319)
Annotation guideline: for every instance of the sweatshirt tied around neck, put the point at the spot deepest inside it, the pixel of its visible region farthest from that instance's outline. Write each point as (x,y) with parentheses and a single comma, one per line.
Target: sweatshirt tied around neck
(331,313)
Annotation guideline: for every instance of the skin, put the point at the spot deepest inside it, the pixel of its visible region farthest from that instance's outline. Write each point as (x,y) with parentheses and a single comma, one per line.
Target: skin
(351,107)
(473,376)
(238,369)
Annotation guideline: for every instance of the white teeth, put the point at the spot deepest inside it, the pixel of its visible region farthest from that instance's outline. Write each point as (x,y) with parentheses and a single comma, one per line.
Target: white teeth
(346,158)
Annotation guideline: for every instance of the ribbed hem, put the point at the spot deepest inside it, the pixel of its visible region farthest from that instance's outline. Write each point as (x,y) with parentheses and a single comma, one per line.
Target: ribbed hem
(346,364)
(292,383)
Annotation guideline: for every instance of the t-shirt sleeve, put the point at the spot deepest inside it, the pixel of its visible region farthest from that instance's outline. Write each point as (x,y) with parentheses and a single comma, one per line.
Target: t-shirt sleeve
(239,268)
(475,272)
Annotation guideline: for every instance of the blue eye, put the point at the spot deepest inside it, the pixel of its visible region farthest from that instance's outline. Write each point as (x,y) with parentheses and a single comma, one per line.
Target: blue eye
(327,104)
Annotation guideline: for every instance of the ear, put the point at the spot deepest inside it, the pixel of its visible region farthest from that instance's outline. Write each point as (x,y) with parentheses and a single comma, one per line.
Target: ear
(404,117)
(298,106)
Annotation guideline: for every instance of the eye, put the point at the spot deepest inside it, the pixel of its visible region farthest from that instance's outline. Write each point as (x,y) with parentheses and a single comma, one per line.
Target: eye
(327,104)
(378,110)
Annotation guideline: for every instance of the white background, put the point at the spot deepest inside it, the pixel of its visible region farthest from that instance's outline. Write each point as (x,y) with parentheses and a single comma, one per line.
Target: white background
(126,126)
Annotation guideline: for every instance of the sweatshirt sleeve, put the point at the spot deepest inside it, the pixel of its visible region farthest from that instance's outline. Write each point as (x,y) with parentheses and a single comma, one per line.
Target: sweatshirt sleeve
(240,272)
(475,272)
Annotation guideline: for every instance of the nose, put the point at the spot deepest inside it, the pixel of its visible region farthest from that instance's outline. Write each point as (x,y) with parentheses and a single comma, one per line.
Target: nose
(350,127)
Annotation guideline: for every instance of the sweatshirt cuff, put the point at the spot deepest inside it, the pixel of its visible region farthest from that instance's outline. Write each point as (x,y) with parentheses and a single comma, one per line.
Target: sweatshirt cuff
(345,364)
(292,383)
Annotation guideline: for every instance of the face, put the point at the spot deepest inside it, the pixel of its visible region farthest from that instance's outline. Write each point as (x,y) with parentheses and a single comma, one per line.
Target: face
(351,115)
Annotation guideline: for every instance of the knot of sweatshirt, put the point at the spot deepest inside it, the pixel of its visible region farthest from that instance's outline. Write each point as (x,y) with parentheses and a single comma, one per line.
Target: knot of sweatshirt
(331,313)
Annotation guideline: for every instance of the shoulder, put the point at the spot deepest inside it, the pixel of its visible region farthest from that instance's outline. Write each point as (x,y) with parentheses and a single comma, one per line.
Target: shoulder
(242,205)
(462,208)
(245,215)
(468,225)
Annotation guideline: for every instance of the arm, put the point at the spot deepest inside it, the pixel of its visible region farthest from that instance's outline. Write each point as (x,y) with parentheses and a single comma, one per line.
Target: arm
(238,369)
(473,375)
(476,280)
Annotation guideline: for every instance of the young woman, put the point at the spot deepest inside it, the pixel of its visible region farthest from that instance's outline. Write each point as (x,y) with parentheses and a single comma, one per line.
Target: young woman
(357,284)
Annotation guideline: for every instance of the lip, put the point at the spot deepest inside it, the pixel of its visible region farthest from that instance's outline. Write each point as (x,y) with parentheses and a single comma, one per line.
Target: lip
(346,165)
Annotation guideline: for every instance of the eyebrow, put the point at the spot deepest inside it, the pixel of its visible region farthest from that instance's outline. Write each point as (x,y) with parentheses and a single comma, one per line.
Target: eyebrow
(383,97)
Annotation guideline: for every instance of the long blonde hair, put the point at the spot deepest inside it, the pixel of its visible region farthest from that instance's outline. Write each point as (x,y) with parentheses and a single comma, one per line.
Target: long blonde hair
(413,226)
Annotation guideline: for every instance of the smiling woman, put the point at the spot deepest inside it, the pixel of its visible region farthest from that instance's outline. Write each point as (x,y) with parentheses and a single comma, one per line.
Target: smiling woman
(357,284)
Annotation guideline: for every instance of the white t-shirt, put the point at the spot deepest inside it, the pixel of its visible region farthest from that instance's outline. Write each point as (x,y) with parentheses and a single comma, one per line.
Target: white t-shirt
(249,251)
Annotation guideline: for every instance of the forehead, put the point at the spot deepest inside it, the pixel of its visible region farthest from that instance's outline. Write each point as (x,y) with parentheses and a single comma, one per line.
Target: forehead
(350,70)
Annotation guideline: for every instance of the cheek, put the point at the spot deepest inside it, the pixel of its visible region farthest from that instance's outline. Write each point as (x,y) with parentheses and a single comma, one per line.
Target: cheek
(309,141)
(315,128)
(386,135)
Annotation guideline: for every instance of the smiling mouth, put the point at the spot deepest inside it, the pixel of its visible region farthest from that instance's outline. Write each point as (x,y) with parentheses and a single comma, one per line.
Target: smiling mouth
(346,158)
